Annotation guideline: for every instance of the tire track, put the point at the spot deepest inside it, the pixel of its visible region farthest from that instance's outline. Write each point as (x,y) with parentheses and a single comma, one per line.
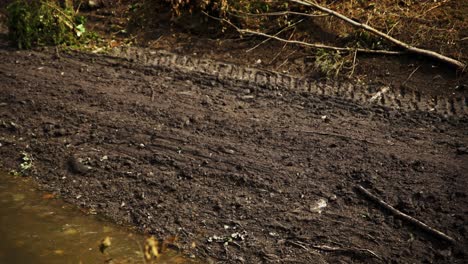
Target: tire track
(234,74)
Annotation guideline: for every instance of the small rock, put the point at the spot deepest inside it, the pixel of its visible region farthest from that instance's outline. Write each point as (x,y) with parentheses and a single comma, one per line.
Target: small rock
(325,118)
(460,87)
(60,132)
(319,205)
(332,197)
(75,165)
(462,150)
(207,101)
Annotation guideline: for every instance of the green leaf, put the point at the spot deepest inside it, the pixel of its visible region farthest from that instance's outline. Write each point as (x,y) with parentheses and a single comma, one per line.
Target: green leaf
(80,30)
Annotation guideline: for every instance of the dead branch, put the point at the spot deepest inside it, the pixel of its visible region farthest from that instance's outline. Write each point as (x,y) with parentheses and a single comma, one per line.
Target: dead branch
(354,64)
(283,13)
(358,251)
(319,45)
(406,217)
(427,53)
(284,46)
(411,75)
(304,246)
(279,32)
(313,45)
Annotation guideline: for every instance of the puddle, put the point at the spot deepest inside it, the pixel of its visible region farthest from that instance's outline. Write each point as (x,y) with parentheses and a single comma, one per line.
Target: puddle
(36,228)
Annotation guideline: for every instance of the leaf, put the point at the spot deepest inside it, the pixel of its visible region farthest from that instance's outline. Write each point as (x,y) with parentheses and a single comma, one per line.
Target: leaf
(48,196)
(59,252)
(80,30)
(105,243)
(151,248)
(70,231)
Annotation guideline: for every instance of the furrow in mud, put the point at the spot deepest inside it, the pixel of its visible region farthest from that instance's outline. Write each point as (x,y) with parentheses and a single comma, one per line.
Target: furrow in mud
(397,98)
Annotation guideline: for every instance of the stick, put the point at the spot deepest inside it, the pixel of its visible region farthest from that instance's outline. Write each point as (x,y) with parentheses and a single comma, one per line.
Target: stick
(395,41)
(364,251)
(319,45)
(282,13)
(406,217)
(411,75)
(279,32)
(313,45)
(284,46)
(354,64)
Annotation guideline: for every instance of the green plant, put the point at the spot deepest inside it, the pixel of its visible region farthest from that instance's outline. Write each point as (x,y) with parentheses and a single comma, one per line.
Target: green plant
(25,165)
(328,62)
(39,22)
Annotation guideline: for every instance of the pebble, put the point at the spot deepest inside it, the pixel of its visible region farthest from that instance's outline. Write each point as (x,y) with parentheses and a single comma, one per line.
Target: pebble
(75,166)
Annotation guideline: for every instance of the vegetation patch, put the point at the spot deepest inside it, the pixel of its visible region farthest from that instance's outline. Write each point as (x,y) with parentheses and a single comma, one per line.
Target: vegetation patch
(25,166)
(38,23)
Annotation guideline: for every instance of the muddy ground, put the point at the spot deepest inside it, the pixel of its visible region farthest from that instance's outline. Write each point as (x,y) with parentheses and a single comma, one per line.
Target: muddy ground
(237,163)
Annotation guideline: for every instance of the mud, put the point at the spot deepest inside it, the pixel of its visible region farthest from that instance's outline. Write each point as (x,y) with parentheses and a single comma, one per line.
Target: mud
(384,95)
(37,228)
(253,166)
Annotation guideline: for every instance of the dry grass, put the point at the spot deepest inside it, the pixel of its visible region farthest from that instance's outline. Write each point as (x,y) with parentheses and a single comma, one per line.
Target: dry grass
(436,25)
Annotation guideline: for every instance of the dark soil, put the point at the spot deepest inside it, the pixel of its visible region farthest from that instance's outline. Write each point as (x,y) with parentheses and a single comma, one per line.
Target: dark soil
(215,152)
(213,158)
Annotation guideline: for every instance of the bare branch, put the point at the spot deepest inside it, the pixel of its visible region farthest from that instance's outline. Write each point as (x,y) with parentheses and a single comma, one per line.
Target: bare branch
(313,45)
(406,217)
(319,45)
(279,32)
(395,41)
(364,251)
(283,13)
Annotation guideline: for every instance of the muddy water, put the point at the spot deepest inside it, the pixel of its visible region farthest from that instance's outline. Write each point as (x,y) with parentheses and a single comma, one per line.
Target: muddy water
(37,228)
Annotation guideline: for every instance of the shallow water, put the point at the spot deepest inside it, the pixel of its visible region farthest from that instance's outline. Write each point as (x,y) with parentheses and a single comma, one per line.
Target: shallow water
(37,228)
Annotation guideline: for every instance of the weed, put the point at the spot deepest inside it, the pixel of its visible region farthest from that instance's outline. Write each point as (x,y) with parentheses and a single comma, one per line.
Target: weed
(25,165)
(40,22)
(328,63)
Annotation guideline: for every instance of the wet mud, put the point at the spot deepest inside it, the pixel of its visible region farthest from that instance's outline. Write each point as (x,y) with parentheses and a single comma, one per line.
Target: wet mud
(253,166)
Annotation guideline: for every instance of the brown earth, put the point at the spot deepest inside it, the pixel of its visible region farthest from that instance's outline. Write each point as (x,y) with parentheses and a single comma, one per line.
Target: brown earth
(215,158)
(213,153)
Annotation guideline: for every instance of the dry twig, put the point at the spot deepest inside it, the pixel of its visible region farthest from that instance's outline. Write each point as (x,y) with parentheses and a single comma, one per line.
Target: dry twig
(411,75)
(313,45)
(279,32)
(283,13)
(354,65)
(319,45)
(406,217)
(358,251)
(395,41)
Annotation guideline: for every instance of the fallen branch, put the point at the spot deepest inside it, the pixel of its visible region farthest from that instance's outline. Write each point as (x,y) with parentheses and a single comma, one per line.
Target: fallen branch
(395,41)
(354,64)
(313,45)
(319,45)
(411,75)
(358,251)
(279,32)
(283,13)
(406,217)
